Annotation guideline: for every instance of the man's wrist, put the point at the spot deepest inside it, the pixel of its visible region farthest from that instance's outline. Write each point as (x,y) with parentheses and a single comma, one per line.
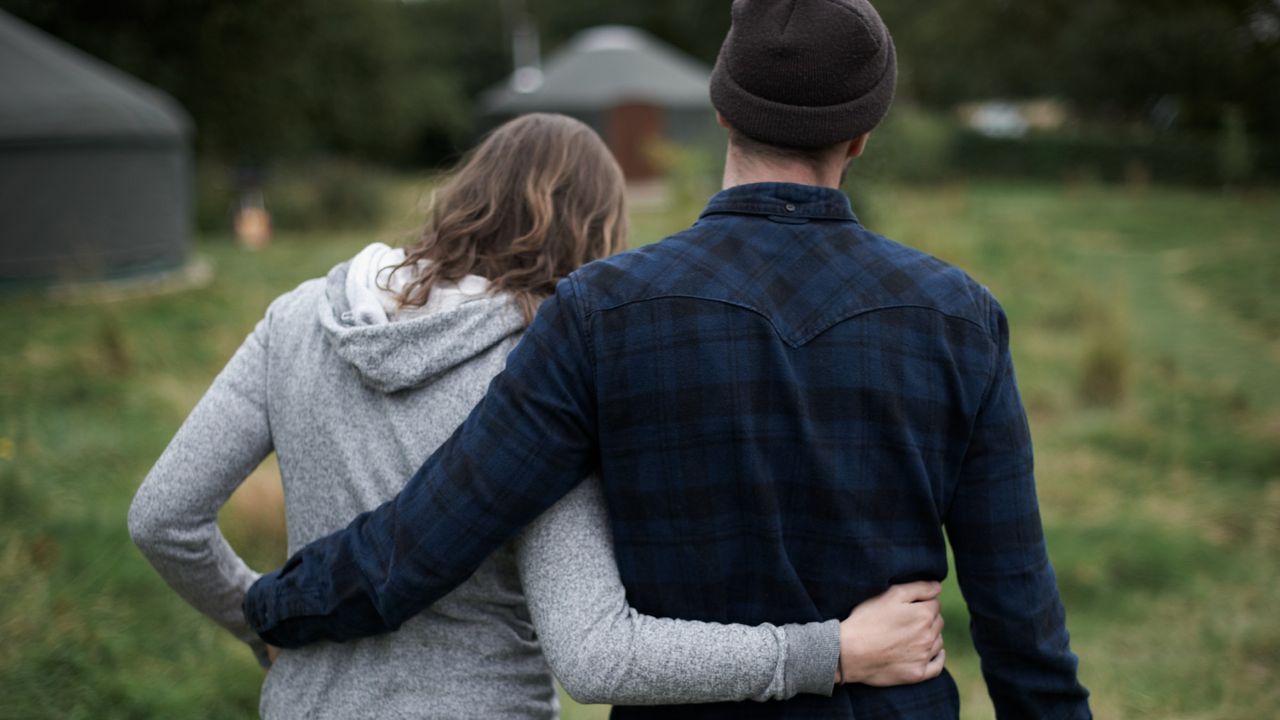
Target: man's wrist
(852,668)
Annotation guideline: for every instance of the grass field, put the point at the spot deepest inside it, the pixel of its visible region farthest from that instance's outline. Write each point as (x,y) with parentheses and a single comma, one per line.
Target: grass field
(1146,332)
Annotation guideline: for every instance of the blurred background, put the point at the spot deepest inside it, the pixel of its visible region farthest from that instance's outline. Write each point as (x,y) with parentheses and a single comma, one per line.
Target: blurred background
(1108,169)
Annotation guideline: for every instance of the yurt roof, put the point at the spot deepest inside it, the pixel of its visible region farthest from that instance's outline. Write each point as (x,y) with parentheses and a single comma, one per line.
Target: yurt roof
(604,66)
(52,92)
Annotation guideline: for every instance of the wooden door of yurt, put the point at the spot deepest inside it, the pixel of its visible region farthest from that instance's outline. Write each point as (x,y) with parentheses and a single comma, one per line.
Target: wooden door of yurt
(633,128)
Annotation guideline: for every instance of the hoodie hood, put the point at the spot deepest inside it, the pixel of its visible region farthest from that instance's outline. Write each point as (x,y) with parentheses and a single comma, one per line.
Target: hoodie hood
(395,351)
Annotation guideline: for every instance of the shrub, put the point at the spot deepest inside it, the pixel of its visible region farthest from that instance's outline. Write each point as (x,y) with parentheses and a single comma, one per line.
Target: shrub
(307,195)
(325,194)
(215,200)
(912,145)
(1170,159)
(1105,367)
(691,171)
(1235,155)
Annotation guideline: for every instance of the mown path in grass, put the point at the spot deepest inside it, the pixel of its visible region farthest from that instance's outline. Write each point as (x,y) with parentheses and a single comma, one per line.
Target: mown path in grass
(1144,325)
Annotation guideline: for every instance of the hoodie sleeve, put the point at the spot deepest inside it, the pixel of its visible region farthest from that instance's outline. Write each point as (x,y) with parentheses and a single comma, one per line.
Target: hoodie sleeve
(174,516)
(604,651)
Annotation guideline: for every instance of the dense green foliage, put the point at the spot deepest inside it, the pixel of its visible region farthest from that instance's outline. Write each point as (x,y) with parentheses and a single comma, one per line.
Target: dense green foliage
(1113,59)
(303,194)
(1181,159)
(265,78)
(1147,357)
(396,81)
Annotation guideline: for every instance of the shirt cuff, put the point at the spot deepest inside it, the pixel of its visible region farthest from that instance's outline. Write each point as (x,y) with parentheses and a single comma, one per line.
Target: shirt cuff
(256,613)
(284,616)
(813,651)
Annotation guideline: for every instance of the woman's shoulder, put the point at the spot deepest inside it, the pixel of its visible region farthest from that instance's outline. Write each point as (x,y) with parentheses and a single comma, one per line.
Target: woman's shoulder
(302,297)
(295,309)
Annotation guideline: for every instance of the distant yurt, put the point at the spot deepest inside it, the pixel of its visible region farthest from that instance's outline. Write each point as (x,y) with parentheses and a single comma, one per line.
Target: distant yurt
(95,166)
(631,87)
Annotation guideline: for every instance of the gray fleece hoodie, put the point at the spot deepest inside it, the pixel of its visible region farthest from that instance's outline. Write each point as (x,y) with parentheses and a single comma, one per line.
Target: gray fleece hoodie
(353,398)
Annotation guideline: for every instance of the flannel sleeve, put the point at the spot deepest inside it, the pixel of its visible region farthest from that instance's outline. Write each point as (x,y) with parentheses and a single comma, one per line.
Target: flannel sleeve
(528,443)
(1016,616)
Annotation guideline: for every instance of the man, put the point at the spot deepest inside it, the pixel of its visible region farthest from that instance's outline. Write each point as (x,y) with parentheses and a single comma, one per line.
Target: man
(785,408)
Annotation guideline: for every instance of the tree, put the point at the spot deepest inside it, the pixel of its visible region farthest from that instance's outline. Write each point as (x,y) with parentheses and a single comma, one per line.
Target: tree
(1113,59)
(271,78)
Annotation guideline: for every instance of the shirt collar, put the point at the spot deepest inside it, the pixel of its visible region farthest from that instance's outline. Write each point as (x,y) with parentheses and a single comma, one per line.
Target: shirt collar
(807,202)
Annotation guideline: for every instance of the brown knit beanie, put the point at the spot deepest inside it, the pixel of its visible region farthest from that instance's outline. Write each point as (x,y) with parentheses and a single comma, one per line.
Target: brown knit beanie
(804,73)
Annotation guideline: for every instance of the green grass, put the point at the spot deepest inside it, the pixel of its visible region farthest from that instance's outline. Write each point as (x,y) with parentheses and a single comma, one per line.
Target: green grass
(1146,332)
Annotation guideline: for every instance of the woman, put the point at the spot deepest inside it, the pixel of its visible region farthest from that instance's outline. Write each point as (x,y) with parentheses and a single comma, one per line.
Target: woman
(355,378)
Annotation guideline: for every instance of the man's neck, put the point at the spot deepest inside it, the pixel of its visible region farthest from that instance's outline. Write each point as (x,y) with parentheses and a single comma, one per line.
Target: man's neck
(738,171)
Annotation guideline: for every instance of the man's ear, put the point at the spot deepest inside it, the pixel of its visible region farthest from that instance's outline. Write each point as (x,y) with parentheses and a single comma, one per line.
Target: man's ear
(721,121)
(858,145)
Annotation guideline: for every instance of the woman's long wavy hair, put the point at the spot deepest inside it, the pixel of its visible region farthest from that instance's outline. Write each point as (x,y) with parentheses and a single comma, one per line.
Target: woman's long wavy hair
(539,197)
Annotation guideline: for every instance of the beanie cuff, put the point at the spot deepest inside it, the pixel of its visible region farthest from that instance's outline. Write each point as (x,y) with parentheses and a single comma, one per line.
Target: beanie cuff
(798,126)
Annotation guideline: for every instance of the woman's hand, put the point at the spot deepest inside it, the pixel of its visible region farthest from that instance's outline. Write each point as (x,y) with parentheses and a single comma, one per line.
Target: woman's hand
(273,652)
(894,638)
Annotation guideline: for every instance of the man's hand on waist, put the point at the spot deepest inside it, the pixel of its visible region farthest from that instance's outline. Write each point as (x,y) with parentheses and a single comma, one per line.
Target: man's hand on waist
(894,638)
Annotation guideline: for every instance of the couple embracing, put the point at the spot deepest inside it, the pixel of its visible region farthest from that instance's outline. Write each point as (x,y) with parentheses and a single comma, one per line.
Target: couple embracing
(706,478)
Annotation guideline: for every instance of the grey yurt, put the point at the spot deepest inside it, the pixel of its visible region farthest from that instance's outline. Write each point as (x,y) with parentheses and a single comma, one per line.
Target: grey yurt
(628,85)
(95,166)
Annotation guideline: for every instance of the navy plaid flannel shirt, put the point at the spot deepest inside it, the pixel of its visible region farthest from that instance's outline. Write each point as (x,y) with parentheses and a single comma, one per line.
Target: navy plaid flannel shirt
(786,410)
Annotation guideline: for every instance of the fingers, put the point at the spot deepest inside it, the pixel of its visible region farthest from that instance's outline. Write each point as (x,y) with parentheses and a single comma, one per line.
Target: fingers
(918,591)
(934,668)
(931,608)
(933,641)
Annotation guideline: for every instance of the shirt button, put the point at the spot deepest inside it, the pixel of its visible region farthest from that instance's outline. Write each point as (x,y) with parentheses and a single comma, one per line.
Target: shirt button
(791,208)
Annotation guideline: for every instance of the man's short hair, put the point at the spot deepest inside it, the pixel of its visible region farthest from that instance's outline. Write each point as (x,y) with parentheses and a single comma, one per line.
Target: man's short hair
(752,148)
